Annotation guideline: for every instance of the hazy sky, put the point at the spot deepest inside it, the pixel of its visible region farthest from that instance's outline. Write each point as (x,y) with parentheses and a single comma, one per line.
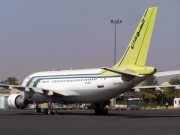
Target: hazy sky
(40,35)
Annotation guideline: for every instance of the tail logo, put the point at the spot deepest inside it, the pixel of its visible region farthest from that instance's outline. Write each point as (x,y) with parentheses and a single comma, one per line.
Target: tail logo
(137,34)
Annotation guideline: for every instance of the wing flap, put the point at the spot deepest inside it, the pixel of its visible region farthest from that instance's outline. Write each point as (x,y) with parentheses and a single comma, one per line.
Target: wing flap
(60,92)
(5,86)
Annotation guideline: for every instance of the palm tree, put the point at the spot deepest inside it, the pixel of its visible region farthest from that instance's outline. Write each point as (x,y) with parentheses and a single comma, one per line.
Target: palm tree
(171,93)
(12,80)
(140,96)
(149,93)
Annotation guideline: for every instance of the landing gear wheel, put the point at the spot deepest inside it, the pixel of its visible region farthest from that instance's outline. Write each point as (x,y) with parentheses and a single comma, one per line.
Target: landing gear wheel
(101,111)
(100,108)
(50,112)
(46,111)
(105,111)
(96,111)
(37,110)
(55,112)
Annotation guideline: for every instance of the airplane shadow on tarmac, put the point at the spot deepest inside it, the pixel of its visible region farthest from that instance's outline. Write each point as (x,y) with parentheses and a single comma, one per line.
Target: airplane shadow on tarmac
(126,114)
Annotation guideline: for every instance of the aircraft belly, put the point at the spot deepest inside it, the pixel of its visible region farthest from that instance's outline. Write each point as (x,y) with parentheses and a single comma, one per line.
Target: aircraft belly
(39,98)
(96,91)
(94,94)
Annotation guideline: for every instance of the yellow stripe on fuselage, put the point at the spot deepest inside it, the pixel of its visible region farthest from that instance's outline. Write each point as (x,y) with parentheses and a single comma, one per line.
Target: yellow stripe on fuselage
(32,82)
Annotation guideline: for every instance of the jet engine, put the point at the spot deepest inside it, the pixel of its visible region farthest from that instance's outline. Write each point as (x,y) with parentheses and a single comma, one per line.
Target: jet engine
(17,101)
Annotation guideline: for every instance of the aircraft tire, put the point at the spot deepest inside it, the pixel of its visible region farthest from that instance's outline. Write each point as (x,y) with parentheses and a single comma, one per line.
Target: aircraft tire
(37,110)
(97,111)
(101,111)
(50,112)
(105,111)
(46,111)
(55,112)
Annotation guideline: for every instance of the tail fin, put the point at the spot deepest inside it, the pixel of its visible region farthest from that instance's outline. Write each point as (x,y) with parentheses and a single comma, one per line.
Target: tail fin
(137,50)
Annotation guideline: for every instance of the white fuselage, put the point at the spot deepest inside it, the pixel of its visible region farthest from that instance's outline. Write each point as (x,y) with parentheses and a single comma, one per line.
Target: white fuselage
(89,85)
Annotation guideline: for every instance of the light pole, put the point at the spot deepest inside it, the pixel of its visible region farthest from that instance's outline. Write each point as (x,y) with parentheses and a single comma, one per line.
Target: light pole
(162,97)
(115,22)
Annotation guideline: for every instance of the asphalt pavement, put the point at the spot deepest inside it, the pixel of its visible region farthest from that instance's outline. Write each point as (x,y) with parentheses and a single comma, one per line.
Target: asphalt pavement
(84,122)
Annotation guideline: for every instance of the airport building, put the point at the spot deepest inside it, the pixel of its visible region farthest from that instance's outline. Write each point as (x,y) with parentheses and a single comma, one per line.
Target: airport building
(4,93)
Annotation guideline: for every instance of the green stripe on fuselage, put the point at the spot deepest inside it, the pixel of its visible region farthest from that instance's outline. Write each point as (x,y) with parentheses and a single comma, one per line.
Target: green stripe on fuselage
(103,73)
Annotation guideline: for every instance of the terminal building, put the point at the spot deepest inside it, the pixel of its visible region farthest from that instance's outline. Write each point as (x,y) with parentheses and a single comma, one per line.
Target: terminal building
(4,93)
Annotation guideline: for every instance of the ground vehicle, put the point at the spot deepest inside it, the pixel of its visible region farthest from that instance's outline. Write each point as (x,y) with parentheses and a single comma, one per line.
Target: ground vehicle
(134,103)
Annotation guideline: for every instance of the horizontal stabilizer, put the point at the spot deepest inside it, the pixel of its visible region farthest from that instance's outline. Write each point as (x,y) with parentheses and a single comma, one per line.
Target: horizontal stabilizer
(155,87)
(120,71)
(166,73)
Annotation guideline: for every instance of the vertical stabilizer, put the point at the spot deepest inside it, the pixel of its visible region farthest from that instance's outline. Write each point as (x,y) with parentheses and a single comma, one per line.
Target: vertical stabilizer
(137,50)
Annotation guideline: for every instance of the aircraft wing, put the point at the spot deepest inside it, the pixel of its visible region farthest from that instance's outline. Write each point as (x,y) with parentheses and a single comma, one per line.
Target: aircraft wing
(155,87)
(120,71)
(61,92)
(48,92)
(166,73)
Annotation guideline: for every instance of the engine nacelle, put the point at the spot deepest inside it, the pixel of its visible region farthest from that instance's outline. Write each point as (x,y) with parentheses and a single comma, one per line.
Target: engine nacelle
(17,101)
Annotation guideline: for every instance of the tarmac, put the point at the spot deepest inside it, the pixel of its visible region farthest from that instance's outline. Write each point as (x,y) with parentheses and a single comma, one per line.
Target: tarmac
(84,122)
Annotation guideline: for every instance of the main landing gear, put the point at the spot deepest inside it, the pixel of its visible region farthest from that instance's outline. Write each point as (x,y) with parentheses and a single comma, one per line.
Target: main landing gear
(100,108)
(50,110)
(99,111)
(37,109)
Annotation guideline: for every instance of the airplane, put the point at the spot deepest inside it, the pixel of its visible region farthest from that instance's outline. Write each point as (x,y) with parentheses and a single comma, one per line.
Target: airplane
(95,86)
